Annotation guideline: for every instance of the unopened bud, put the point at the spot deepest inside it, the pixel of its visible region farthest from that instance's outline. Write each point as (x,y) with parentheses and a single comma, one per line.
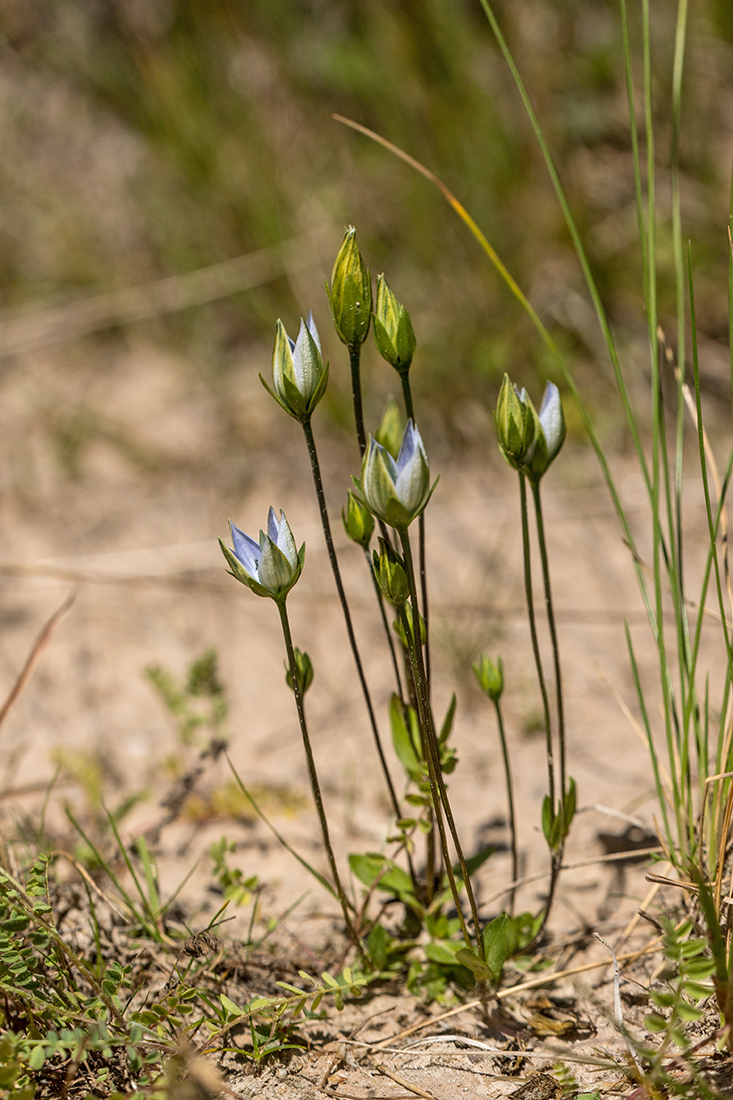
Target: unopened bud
(393,332)
(516,423)
(490,677)
(389,570)
(391,428)
(350,293)
(358,521)
(303,672)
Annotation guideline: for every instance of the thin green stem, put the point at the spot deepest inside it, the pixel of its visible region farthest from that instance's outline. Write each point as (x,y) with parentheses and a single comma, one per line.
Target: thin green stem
(385,623)
(529,596)
(410,411)
(355,365)
(313,774)
(510,802)
(553,637)
(326,524)
(555,854)
(433,772)
(433,754)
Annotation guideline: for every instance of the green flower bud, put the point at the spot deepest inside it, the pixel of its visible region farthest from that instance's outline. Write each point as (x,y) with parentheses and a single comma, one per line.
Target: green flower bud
(393,332)
(389,570)
(390,431)
(303,672)
(398,629)
(350,293)
(358,521)
(515,423)
(490,677)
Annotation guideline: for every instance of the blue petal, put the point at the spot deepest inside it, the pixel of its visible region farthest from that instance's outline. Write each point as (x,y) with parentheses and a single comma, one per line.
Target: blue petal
(273,527)
(246,549)
(311,325)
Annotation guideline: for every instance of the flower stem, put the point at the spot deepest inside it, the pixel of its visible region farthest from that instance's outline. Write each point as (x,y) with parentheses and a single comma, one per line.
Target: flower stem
(433,771)
(555,854)
(385,623)
(410,411)
(510,800)
(432,755)
(355,364)
(315,785)
(325,522)
(553,637)
(535,642)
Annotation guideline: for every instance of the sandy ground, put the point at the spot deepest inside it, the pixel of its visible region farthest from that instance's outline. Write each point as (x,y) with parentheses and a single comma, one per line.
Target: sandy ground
(131,531)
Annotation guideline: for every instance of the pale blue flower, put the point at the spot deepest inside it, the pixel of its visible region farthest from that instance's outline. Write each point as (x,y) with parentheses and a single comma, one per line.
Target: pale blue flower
(299,375)
(397,490)
(270,567)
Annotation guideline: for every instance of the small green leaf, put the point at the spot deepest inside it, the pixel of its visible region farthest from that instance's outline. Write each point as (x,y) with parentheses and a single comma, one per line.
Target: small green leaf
(474,963)
(379,942)
(442,952)
(229,1006)
(548,819)
(495,944)
(405,739)
(371,867)
(687,1012)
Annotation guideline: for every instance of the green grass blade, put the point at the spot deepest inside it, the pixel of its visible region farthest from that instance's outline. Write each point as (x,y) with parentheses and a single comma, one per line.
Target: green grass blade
(279,837)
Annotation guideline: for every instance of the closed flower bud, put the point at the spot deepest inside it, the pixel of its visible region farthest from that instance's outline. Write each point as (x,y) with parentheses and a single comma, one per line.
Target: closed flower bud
(389,570)
(299,375)
(271,567)
(303,672)
(350,293)
(391,429)
(358,521)
(490,677)
(549,436)
(393,332)
(396,491)
(515,424)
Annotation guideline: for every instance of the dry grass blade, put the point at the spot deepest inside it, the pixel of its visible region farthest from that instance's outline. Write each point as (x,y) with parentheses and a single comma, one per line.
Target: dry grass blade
(405,1084)
(32,659)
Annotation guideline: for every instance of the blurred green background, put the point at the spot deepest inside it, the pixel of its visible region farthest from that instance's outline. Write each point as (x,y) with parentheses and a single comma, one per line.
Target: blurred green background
(144,139)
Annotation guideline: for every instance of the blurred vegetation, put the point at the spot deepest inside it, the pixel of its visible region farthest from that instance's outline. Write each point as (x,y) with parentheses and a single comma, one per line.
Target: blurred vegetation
(148,138)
